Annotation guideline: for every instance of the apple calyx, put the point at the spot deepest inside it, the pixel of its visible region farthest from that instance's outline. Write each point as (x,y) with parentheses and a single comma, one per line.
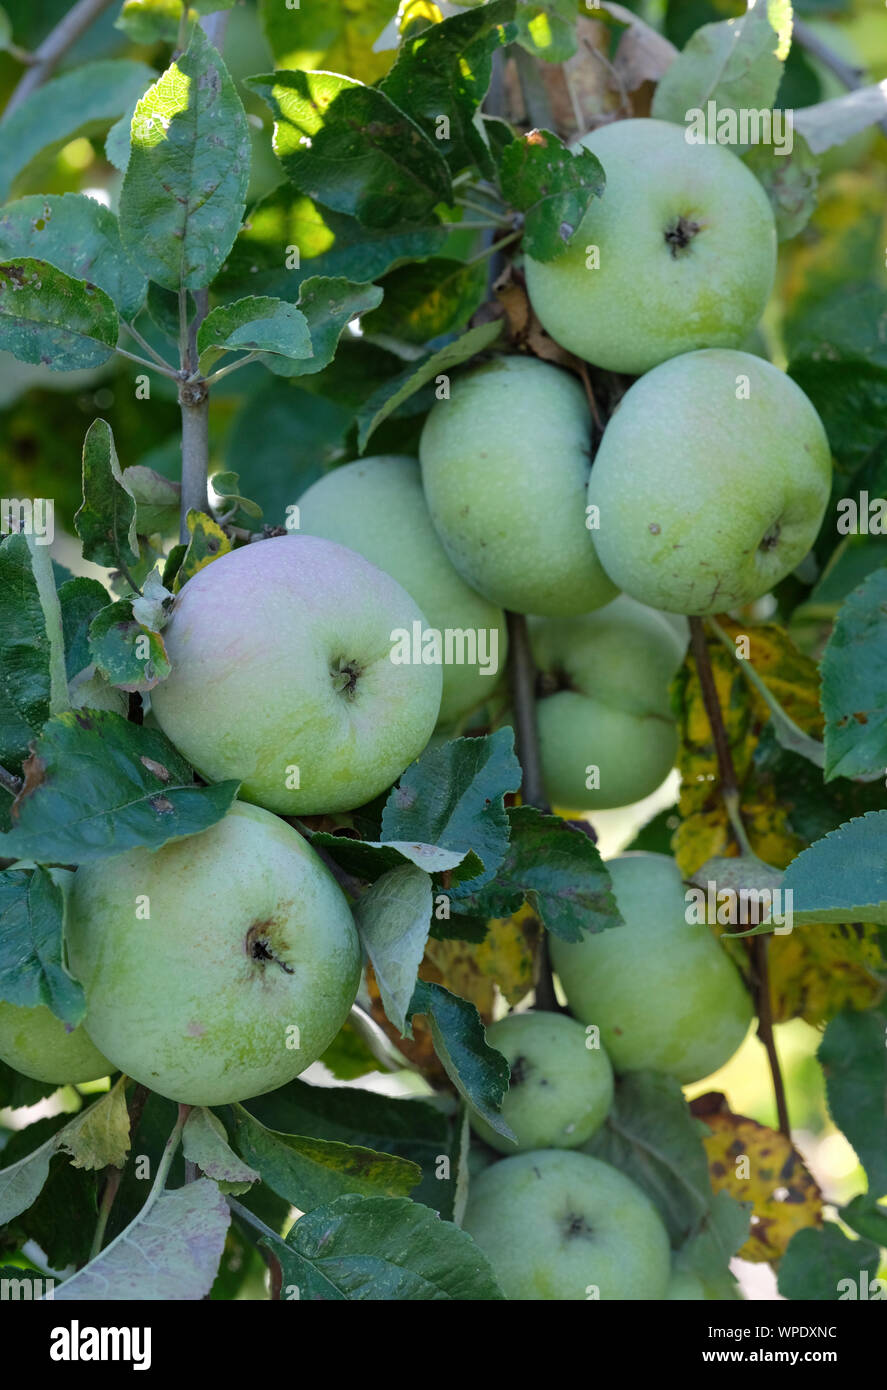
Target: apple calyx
(259,947)
(771,537)
(680,234)
(345,675)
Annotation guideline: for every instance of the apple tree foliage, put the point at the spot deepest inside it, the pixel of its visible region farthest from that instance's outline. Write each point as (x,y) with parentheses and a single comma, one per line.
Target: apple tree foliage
(284,252)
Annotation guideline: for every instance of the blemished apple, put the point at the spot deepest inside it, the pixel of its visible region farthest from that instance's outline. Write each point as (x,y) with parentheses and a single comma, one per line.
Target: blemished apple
(556,1224)
(663,992)
(39,1045)
(283,677)
(607,733)
(219,966)
(505,465)
(711,480)
(685,252)
(561,1088)
(376,506)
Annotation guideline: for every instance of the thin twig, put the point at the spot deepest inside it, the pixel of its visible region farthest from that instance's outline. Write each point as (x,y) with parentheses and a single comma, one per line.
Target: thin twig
(730,794)
(241,362)
(849,74)
(10,783)
(143,342)
(150,366)
(592,403)
(114,1174)
(494,247)
(49,54)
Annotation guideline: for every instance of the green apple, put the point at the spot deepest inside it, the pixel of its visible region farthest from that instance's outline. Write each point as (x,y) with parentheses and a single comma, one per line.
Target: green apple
(561,1086)
(505,463)
(284,679)
(377,507)
(678,253)
(604,715)
(39,1045)
(664,993)
(685,1287)
(711,482)
(555,1224)
(219,966)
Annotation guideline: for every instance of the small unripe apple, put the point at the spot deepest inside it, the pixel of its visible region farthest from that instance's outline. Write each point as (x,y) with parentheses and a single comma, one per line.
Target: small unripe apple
(219,966)
(684,1287)
(283,676)
(711,482)
(505,464)
(39,1045)
(561,1089)
(663,991)
(556,1224)
(606,729)
(678,253)
(376,506)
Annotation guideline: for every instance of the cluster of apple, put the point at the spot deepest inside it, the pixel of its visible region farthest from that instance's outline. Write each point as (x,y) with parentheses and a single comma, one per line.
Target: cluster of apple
(222,965)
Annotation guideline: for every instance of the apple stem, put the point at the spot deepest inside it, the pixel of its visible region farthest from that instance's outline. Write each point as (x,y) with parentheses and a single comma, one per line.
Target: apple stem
(522,682)
(759,945)
(114,1175)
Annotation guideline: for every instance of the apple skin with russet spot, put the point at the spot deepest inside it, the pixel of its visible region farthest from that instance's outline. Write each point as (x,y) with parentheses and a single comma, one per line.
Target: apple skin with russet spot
(38,1044)
(505,464)
(376,506)
(249,938)
(281,660)
(604,682)
(554,1222)
(560,1089)
(663,992)
(708,498)
(687,252)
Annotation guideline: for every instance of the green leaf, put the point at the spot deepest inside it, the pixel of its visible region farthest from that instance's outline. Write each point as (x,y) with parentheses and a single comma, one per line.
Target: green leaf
(479,1073)
(349,147)
(393,919)
(184,193)
(441,77)
(263,259)
(22,1182)
(205,1143)
(553,186)
(548,30)
(227,487)
(82,101)
(329,305)
(854,684)
(53,320)
(557,869)
(824,1265)
(348,1056)
(157,500)
(843,877)
(453,797)
(336,37)
(381,1248)
(392,394)
(163,307)
(721,1232)
(733,63)
(151,21)
(171,1251)
(854,1059)
(79,236)
(651,1137)
(414,1129)
(106,519)
(370,859)
(256,324)
(32,969)
(425,301)
(127,653)
(865,1216)
(25,689)
(309,1172)
(102,786)
(80,599)
(790,182)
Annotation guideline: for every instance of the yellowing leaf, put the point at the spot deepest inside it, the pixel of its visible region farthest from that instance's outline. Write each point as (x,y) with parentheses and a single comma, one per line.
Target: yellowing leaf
(823,967)
(208,541)
(758,1165)
(504,958)
(99,1135)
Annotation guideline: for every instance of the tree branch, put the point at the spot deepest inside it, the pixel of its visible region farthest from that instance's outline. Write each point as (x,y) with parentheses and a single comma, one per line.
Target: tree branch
(730,791)
(194,403)
(49,54)
(9,782)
